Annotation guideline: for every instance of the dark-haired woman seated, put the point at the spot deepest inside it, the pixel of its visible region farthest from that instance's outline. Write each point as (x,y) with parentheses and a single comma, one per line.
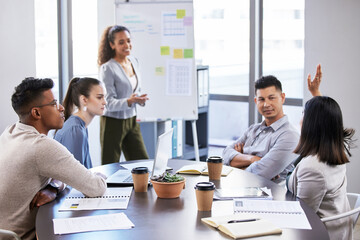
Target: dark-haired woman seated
(320,177)
(86,97)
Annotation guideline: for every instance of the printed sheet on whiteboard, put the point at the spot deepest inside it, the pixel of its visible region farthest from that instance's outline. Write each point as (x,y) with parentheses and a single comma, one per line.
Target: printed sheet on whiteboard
(178,77)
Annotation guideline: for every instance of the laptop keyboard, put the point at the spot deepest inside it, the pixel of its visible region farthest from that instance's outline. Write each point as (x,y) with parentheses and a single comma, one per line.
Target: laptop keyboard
(129,179)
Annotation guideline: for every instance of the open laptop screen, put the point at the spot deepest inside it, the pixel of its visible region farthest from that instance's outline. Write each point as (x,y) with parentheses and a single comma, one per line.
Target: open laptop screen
(163,150)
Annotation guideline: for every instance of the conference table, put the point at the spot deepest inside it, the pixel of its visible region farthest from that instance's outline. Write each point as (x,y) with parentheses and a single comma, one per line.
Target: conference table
(175,219)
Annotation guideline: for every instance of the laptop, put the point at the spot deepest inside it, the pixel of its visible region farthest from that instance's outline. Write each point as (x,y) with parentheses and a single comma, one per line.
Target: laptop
(157,167)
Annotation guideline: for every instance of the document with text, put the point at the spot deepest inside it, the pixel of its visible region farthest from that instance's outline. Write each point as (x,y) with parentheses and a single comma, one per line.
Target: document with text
(284,214)
(92,223)
(114,198)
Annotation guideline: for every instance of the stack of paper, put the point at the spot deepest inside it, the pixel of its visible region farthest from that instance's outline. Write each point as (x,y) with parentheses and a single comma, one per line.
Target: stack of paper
(92,223)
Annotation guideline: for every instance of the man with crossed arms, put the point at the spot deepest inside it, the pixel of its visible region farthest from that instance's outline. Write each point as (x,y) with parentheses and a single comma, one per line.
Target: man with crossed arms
(266,148)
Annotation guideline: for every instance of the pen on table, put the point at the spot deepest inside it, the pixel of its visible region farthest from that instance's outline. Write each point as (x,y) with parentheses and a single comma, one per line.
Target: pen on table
(243,220)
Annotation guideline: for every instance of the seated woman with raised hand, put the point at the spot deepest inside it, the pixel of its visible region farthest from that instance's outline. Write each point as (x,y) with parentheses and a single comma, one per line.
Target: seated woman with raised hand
(87,95)
(319,179)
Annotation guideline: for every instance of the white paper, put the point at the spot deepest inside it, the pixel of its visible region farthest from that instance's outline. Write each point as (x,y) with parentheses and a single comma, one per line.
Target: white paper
(114,198)
(92,223)
(173,31)
(178,77)
(284,214)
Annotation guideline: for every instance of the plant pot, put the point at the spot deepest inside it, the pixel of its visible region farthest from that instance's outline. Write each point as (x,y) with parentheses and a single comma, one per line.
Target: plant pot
(168,189)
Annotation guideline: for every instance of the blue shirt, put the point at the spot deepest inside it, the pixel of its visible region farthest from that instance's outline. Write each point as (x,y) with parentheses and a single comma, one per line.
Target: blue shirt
(274,144)
(74,136)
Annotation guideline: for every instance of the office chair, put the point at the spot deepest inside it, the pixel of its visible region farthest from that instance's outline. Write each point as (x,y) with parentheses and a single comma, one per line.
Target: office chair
(354,213)
(8,233)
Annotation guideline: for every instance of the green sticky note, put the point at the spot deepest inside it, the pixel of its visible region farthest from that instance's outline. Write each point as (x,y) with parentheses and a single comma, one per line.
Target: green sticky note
(188,53)
(159,71)
(165,50)
(180,13)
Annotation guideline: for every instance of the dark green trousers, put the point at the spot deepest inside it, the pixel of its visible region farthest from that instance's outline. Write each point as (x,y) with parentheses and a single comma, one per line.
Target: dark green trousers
(118,135)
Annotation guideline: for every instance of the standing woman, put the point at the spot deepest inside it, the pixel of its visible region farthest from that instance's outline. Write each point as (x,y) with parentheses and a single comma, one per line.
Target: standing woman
(319,179)
(119,130)
(87,95)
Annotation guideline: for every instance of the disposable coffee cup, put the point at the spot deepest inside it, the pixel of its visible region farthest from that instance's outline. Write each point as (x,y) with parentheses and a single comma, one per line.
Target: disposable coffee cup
(215,165)
(140,177)
(204,195)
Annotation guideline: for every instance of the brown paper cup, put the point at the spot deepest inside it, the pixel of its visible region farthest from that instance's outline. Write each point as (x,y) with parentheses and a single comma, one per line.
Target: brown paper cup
(214,170)
(204,199)
(140,182)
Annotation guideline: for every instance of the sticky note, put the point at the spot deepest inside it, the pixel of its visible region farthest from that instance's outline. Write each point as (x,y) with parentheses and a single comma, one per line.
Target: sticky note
(180,13)
(188,53)
(188,21)
(160,71)
(165,50)
(178,53)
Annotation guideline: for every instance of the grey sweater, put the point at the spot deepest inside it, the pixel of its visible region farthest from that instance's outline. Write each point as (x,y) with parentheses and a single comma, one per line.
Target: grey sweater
(119,89)
(28,160)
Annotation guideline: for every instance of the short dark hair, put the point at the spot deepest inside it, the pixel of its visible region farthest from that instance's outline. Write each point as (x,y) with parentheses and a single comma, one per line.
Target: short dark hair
(29,91)
(267,81)
(322,132)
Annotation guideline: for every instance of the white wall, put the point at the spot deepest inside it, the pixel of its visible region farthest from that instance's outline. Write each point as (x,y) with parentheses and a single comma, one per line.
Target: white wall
(332,38)
(17,58)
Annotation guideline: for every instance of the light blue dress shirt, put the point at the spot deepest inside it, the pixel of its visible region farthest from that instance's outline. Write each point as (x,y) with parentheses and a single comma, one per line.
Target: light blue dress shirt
(74,136)
(274,144)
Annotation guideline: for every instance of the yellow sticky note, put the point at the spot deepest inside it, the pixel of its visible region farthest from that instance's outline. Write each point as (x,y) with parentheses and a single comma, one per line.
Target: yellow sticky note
(188,53)
(160,71)
(165,50)
(180,13)
(178,53)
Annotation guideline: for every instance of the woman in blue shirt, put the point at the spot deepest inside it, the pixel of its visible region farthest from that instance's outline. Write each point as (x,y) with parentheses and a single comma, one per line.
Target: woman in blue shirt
(86,95)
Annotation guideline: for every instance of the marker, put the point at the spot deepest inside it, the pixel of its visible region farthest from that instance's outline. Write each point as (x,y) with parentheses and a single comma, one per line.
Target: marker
(243,220)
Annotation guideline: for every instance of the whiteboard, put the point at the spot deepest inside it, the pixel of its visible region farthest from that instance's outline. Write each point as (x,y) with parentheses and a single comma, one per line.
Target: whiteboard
(162,35)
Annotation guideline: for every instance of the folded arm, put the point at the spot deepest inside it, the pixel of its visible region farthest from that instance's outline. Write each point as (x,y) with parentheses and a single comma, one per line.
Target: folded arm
(279,157)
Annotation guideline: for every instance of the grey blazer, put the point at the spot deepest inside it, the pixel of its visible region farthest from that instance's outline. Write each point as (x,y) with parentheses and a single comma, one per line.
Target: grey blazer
(118,88)
(323,188)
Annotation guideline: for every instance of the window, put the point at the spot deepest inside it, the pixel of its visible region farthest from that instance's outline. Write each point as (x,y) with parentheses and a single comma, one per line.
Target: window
(222,42)
(283,44)
(85,38)
(222,36)
(46,41)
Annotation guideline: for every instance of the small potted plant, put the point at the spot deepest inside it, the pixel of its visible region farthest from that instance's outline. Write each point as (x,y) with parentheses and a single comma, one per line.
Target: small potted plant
(168,185)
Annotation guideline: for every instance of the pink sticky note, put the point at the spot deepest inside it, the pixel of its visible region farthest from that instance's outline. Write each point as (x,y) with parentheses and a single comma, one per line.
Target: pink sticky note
(188,21)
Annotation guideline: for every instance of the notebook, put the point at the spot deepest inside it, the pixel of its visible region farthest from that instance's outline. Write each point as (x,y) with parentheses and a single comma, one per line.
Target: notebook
(245,226)
(157,167)
(284,214)
(201,168)
(114,198)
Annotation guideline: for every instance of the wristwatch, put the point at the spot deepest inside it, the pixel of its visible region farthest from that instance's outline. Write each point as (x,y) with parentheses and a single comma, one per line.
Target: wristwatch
(55,186)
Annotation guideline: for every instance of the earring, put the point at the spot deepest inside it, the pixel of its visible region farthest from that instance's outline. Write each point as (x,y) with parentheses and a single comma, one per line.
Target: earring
(85,108)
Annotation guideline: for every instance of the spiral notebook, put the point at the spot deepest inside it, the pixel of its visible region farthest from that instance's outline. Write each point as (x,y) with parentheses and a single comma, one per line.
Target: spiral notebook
(283,214)
(114,198)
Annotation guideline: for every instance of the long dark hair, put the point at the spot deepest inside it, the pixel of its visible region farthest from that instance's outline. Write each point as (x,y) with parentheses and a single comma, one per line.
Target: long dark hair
(105,52)
(77,87)
(323,133)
